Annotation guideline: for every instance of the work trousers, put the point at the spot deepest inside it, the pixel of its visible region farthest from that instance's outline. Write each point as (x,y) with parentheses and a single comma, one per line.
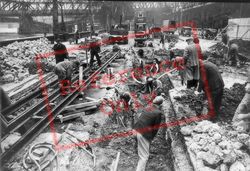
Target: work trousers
(95,54)
(192,76)
(216,96)
(233,57)
(143,152)
(192,83)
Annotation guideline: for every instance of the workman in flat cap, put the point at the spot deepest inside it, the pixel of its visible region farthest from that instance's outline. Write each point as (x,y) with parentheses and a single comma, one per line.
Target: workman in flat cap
(146,129)
(192,63)
(64,71)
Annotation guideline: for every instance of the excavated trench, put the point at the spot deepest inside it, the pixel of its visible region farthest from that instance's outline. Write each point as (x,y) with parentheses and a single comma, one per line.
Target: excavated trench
(168,150)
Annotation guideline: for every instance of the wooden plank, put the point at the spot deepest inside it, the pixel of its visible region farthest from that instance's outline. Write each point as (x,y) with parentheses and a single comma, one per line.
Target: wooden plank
(89,108)
(82,105)
(116,161)
(114,164)
(90,98)
(69,117)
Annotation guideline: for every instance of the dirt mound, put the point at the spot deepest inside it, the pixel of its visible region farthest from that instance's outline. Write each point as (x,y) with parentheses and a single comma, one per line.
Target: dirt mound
(231,99)
(194,102)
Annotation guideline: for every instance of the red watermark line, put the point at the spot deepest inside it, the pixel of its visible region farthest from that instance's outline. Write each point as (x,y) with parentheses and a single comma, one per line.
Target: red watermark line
(134,132)
(46,100)
(128,133)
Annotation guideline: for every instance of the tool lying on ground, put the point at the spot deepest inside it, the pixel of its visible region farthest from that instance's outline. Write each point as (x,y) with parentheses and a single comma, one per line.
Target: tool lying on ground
(76,140)
(33,157)
(114,164)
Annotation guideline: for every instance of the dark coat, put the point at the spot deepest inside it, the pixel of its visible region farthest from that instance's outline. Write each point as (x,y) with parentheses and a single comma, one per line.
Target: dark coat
(213,77)
(146,121)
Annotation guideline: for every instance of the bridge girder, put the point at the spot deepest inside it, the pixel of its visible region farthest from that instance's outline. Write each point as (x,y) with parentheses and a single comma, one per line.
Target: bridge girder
(150,5)
(41,7)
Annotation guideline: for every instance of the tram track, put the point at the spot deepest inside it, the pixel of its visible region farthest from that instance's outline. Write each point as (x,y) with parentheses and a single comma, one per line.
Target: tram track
(39,112)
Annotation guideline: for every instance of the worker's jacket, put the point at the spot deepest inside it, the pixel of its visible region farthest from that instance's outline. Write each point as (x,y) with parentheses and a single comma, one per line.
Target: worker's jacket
(61,52)
(146,122)
(94,48)
(210,76)
(192,62)
(64,70)
(138,69)
(191,55)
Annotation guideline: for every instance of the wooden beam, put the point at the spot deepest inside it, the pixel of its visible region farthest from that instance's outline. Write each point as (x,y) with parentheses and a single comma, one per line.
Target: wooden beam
(70,117)
(90,98)
(115,166)
(82,105)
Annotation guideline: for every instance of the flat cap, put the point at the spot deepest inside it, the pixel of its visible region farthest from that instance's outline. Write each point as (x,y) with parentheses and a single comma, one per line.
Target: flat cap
(149,79)
(158,100)
(189,39)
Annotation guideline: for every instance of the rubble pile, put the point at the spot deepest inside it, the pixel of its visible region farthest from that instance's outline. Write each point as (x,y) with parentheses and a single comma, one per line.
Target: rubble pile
(212,147)
(216,52)
(161,52)
(195,102)
(231,99)
(18,55)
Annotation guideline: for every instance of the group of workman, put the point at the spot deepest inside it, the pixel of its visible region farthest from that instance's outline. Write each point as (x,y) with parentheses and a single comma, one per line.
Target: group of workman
(65,68)
(199,75)
(196,72)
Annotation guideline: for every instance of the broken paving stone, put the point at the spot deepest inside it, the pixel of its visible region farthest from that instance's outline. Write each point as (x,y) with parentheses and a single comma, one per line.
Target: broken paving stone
(237,166)
(197,137)
(194,147)
(223,167)
(207,147)
(203,142)
(226,152)
(217,137)
(230,158)
(239,153)
(243,137)
(224,144)
(209,159)
(217,151)
(187,130)
(247,143)
(214,128)
(237,145)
